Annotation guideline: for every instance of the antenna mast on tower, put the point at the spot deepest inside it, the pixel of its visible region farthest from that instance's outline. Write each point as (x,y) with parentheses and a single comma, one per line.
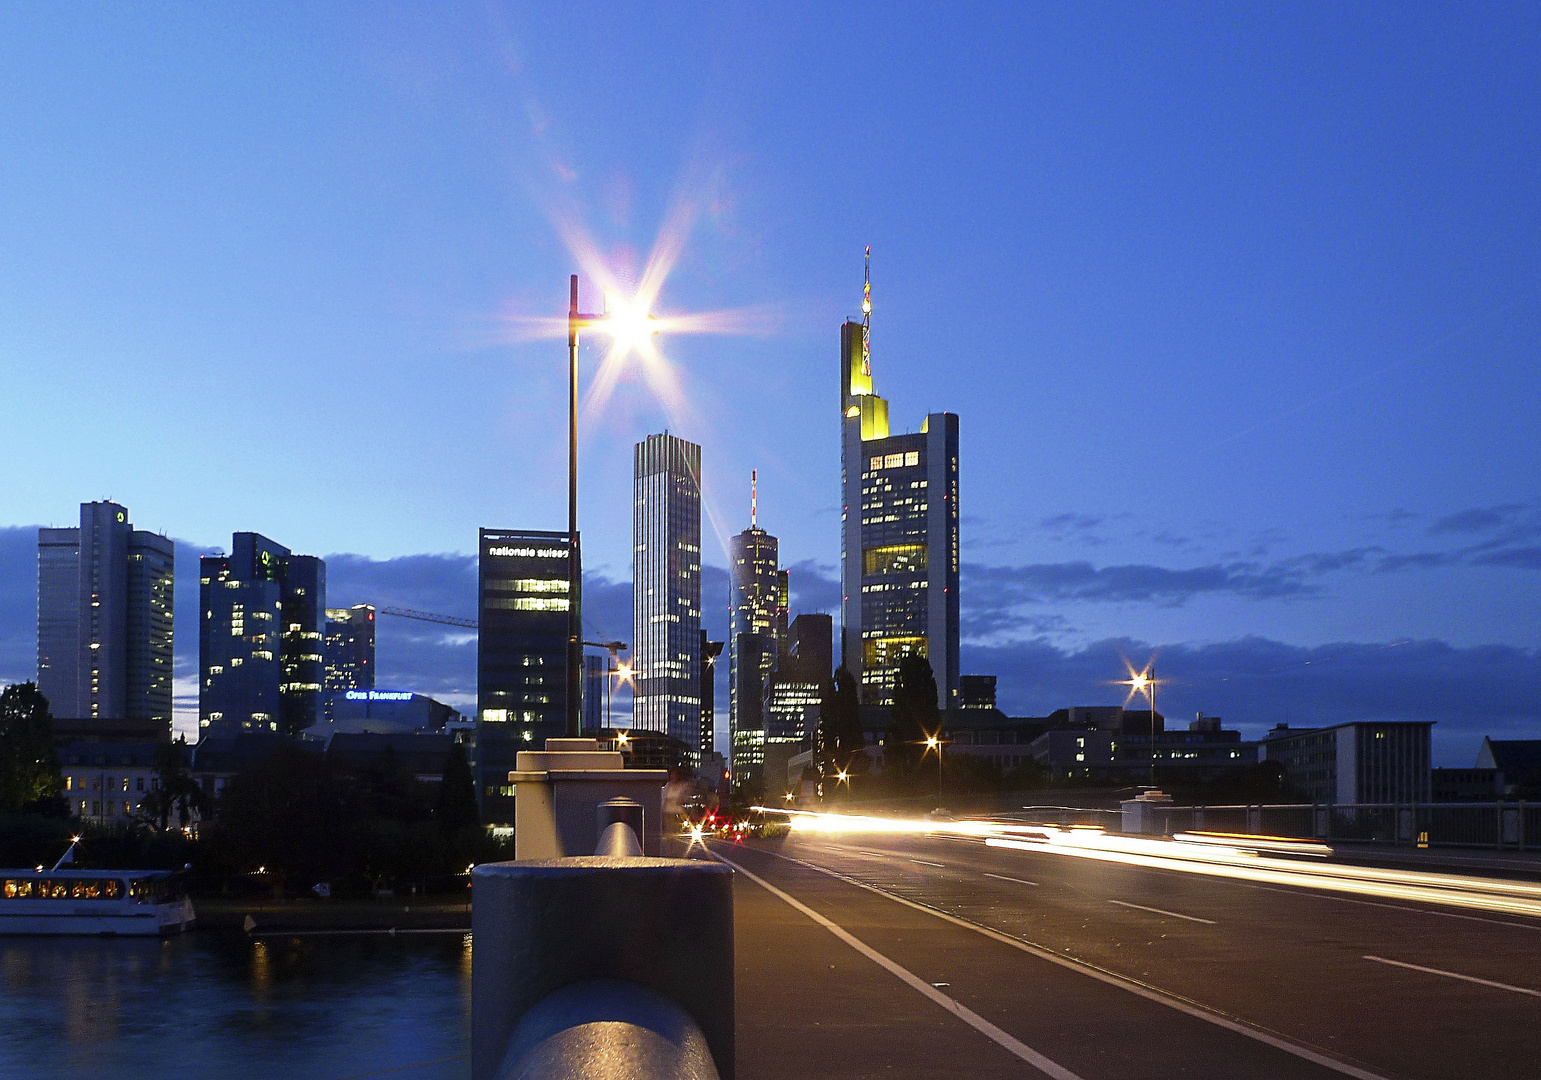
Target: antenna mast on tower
(754,497)
(866,313)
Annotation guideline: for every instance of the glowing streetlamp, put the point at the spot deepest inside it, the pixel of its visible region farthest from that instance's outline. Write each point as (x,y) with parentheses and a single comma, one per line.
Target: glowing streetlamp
(1144,682)
(632,328)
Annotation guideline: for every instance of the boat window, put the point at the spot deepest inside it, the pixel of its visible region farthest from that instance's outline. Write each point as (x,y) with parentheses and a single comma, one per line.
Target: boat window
(42,888)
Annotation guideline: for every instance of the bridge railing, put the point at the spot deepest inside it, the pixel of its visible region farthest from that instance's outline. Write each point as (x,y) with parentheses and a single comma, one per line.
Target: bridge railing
(1513,825)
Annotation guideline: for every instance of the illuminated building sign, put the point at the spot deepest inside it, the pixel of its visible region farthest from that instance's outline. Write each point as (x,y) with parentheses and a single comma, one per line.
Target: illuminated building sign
(377,695)
(528,552)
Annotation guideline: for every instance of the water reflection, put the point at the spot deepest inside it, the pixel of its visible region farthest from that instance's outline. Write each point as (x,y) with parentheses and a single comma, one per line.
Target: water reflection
(313,1008)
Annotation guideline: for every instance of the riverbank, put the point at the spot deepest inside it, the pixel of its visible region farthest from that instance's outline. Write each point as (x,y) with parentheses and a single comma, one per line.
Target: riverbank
(380,913)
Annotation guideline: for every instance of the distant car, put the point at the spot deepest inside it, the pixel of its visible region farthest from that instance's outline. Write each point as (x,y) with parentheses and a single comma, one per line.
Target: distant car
(768,824)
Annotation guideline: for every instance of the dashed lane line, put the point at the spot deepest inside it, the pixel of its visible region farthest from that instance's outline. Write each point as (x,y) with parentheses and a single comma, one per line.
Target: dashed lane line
(1456,975)
(1019,881)
(1163,911)
(1123,982)
(962,1012)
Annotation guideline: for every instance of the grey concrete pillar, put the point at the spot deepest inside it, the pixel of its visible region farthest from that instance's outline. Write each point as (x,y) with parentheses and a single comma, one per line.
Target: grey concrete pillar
(665,925)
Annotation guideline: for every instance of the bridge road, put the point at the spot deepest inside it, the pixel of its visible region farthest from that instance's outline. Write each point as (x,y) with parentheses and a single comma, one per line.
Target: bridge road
(1285,967)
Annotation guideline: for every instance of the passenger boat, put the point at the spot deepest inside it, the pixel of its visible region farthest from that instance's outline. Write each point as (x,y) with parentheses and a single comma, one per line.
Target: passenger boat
(60,901)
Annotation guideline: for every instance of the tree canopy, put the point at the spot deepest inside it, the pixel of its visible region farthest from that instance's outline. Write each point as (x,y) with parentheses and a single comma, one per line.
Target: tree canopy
(29,768)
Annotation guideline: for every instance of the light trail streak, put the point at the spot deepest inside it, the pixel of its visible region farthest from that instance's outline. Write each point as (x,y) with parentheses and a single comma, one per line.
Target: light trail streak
(1235,856)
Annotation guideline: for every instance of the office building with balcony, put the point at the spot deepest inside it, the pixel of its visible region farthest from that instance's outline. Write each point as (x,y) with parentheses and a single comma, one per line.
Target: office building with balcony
(521,655)
(261,640)
(899,536)
(666,588)
(105,607)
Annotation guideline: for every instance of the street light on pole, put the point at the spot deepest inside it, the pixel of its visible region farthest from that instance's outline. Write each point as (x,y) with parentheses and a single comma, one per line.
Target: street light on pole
(630,325)
(1144,682)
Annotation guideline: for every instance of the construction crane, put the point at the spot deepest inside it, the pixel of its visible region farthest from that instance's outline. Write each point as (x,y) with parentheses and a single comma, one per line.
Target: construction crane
(428,616)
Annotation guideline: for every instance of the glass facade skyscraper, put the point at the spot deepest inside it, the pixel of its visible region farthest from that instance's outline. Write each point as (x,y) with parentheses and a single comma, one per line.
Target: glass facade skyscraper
(105,605)
(899,537)
(261,639)
(521,656)
(350,652)
(754,599)
(666,588)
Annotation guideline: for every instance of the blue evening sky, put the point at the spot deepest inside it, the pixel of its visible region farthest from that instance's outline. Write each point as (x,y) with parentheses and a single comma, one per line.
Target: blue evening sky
(1237,305)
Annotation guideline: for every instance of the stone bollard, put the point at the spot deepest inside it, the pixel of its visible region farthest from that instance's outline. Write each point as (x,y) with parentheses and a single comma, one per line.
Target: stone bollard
(586,966)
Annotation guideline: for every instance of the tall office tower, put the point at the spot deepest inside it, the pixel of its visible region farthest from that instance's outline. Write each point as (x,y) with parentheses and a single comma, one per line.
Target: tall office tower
(58,619)
(350,652)
(666,588)
(797,685)
(899,533)
(105,593)
(753,598)
(783,609)
(260,642)
(521,656)
(303,644)
(595,674)
(710,651)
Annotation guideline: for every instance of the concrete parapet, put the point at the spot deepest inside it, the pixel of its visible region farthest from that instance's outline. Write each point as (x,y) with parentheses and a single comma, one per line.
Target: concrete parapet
(559,789)
(540,927)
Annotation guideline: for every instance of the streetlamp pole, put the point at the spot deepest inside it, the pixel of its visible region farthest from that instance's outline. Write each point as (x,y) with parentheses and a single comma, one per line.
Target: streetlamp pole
(574,568)
(1153,725)
(576,320)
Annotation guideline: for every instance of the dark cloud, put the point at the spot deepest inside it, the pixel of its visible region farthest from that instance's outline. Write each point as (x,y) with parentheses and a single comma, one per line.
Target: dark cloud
(1523,558)
(1068,522)
(815,587)
(1004,587)
(1477,520)
(1255,683)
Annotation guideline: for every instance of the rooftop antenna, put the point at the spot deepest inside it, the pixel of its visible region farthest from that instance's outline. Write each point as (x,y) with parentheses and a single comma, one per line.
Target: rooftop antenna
(754,497)
(866,313)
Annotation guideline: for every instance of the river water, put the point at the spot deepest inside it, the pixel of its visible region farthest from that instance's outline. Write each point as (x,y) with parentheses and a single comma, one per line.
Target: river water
(207,1004)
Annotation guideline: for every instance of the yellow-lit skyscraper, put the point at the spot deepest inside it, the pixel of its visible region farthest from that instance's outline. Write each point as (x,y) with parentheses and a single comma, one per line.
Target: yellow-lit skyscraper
(899,534)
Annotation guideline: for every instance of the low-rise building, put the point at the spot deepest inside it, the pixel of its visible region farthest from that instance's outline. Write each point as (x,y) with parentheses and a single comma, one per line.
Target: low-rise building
(104,782)
(1356,762)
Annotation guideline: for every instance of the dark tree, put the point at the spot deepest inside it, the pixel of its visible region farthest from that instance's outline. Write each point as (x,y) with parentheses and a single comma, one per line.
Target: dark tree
(285,813)
(29,768)
(177,792)
(840,735)
(912,720)
(456,808)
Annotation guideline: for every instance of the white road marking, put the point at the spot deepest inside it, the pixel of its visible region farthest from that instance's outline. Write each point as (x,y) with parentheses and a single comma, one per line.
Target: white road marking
(952,1005)
(1019,881)
(1139,989)
(1456,975)
(1393,907)
(1163,911)
(879,854)
(923,862)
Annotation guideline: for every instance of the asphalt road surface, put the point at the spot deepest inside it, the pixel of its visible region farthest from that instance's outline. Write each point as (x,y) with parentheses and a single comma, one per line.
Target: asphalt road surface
(872,955)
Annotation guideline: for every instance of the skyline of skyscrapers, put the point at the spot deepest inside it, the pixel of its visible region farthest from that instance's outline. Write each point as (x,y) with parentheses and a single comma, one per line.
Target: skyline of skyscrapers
(105,611)
(666,588)
(523,594)
(261,644)
(899,534)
